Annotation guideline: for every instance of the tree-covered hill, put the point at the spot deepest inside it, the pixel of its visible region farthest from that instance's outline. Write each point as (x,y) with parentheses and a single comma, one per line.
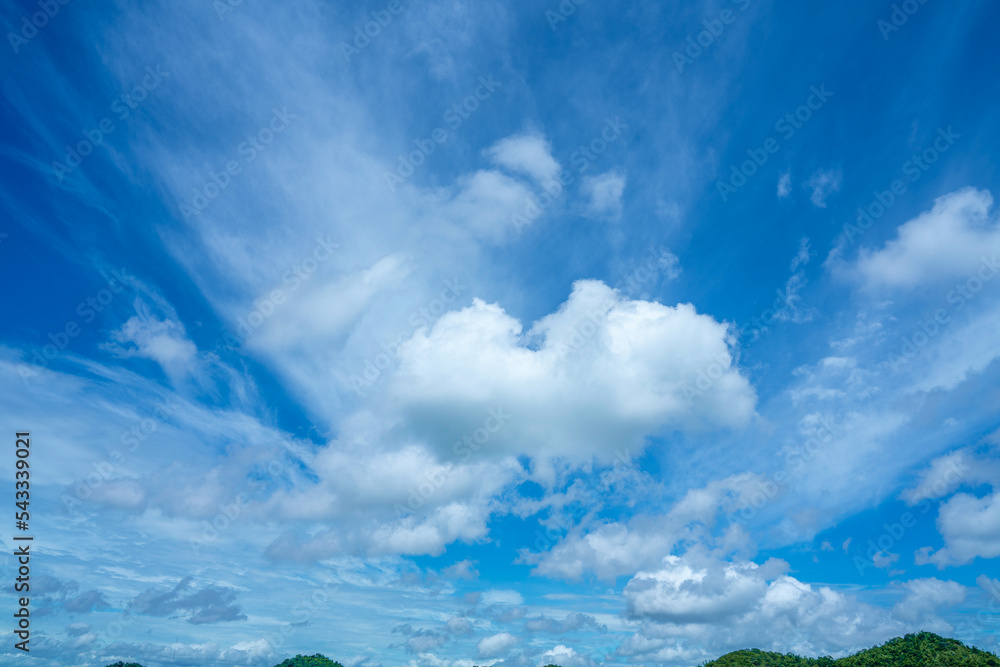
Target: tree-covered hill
(298,661)
(309,661)
(924,649)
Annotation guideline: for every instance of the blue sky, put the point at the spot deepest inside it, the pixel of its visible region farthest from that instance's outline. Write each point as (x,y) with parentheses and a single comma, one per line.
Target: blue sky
(505,333)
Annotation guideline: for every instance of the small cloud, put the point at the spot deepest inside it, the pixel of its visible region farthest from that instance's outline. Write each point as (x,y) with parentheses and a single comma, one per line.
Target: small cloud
(803,256)
(460,626)
(496,645)
(846,545)
(78,629)
(884,559)
(507,597)
(605,193)
(87,601)
(823,184)
(572,623)
(529,154)
(825,546)
(163,341)
(211,604)
(463,569)
(785,185)
(424,641)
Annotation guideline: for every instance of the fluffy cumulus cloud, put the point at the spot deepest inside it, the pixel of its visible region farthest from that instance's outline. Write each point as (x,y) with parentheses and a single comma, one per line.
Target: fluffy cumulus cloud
(565,656)
(385,501)
(612,549)
(529,154)
(597,375)
(720,605)
(969,522)
(680,593)
(924,598)
(957,238)
(496,645)
(970,526)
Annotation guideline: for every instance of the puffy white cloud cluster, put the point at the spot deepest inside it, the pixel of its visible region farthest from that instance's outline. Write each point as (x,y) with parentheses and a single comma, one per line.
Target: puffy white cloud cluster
(598,375)
(947,242)
(718,605)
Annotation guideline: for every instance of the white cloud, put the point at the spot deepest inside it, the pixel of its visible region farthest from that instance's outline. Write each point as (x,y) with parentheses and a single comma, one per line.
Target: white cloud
(564,656)
(463,569)
(947,242)
(163,341)
(322,311)
(460,626)
(785,185)
(960,350)
(604,192)
(502,597)
(496,645)
(679,593)
(970,527)
(389,501)
(924,597)
(823,183)
(940,478)
(611,550)
(595,376)
(530,154)
(803,256)
(486,202)
(719,605)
